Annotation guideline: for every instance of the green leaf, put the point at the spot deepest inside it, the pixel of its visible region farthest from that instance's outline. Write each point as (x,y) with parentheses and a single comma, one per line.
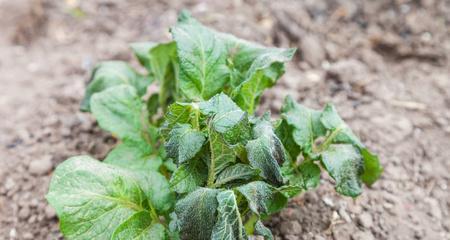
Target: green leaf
(305,123)
(142,52)
(222,155)
(158,191)
(372,167)
(306,176)
(290,191)
(202,57)
(331,121)
(184,143)
(219,104)
(284,132)
(343,162)
(266,151)
(229,224)
(263,73)
(262,198)
(179,113)
(138,156)
(92,198)
(153,104)
(196,214)
(119,110)
(162,56)
(227,119)
(262,230)
(189,176)
(140,226)
(164,65)
(113,73)
(236,173)
(341,133)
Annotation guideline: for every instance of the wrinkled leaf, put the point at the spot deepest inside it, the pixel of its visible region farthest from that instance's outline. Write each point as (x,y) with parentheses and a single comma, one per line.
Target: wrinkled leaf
(284,133)
(262,230)
(189,176)
(306,175)
(236,173)
(119,110)
(305,123)
(266,152)
(218,104)
(113,73)
(222,155)
(140,226)
(372,167)
(92,198)
(138,156)
(179,113)
(196,214)
(343,134)
(343,163)
(331,121)
(202,57)
(264,71)
(184,143)
(229,224)
(262,198)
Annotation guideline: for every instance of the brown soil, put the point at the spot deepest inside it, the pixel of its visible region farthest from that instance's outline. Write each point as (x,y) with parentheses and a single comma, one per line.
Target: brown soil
(384,64)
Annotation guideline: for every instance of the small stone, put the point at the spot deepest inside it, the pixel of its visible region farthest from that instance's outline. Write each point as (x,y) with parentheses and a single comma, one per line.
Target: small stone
(362,236)
(328,201)
(318,237)
(365,220)
(291,237)
(27,235)
(50,212)
(434,209)
(24,213)
(350,71)
(41,166)
(291,227)
(12,233)
(312,50)
(9,184)
(345,215)
(404,125)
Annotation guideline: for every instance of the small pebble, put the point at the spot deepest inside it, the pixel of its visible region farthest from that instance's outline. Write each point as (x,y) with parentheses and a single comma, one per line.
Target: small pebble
(345,215)
(41,166)
(291,227)
(28,235)
(50,212)
(24,213)
(365,220)
(362,236)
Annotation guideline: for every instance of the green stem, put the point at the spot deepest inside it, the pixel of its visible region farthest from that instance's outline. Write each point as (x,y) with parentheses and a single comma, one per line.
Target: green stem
(153,213)
(196,120)
(328,140)
(250,224)
(211,171)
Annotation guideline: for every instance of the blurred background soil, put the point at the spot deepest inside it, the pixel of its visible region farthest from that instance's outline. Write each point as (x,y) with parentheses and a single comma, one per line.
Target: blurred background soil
(384,64)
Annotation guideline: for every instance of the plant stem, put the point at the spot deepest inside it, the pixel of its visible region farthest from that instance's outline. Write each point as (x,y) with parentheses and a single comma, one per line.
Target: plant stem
(250,224)
(328,140)
(211,171)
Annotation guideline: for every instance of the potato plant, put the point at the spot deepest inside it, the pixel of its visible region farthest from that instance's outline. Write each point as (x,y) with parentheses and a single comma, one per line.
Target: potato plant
(192,160)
